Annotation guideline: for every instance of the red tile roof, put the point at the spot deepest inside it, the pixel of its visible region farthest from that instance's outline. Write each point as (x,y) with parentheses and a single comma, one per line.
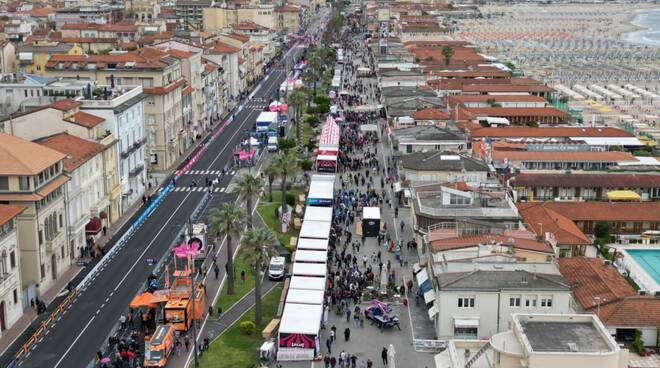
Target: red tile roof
(523,132)
(237,36)
(518,111)
(8,212)
(78,150)
(165,89)
(65,104)
(635,311)
(180,54)
(287,9)
(544,220)
(506,88)
(497,98)
(602,211)
(224,48)
(562,156)
(430,114)
(186,91)
(85,119)
(590,278)
(441,245)
(609,180)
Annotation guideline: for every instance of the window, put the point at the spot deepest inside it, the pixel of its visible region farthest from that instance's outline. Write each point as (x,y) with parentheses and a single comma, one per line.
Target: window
(15,296)
(12,260)
(24,182)
(61,221)
(466,302)
(546,301)
(42,268)
(514,301)
(530,301)
(41,237)
(4,183)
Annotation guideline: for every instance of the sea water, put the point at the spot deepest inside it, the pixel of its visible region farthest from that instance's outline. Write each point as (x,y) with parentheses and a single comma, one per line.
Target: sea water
(649,20)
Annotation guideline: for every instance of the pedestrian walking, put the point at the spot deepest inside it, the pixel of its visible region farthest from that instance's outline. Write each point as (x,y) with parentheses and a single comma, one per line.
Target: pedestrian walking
(326,361)
(333,333)
(210,311)
(242,276)
(122,321)
(347,334)
(383,355)
(219,312)
(328,344)
(186,342)
(216,269)
(333,362)
(348,315)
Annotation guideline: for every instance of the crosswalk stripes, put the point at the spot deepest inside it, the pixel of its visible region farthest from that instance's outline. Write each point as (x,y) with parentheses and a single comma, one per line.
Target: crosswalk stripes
(197,189)
(207,172)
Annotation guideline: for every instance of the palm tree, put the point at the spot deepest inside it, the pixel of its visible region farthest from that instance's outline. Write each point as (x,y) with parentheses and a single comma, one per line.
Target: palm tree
(248,187)
(310,76)
(271,172)
(314,64)
(228,220)
(447,52)
(258,243)
(287,165)
(298,100)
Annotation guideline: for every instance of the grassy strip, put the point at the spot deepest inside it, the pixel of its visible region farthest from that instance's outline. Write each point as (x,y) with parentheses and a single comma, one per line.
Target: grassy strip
(236,350)
(267,211)
(240,264)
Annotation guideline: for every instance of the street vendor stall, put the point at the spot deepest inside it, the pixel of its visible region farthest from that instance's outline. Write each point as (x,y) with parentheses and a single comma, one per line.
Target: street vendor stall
(307,283)
(371,221)
(301,296)
(315,230)
(309,269)
(313,244)
(318,214)
(311,256)
(298,337)
(321,191)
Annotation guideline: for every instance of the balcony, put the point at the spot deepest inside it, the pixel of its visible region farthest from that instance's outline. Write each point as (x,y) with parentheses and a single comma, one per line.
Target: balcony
(137,144)
(136,170)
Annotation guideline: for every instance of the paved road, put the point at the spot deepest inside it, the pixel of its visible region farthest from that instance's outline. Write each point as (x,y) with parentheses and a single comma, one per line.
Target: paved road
(73,340)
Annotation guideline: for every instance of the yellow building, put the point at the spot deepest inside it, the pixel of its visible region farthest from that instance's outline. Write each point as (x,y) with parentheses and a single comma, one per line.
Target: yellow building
(33,58)
(217,18)
(288,18)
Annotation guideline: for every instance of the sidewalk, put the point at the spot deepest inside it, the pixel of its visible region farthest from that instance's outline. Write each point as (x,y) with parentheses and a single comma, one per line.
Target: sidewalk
(25,326)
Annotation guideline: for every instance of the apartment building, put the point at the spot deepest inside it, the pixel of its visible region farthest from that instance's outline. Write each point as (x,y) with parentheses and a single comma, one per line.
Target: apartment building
(143,11)
(85,194)
(32,58)
(190,12)
(123,111)
(288,18)
(217,18)
(11,304)
(32,176)
(161,78)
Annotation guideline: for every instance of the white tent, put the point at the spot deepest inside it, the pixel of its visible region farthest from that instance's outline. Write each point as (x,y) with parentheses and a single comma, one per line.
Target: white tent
(301,296)
(298,332)
(307,283)
(312,256)
(315,230)
(309,269)
(318,214)
(371,213)
(312,244)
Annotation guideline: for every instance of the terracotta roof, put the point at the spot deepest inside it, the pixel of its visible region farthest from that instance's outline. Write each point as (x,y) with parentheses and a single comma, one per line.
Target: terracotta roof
(65,104)
(497,98)
(237,36)
(430,114)
(523,132)
(544,220)
(441,245)
(590,278)
(85,119)
(186,91)
(180,54)
(602,211)
(165,89)
(88,40)
(563,156)
(470,73)
(79,26)
(609,180)
(21,157)
(287,9)
(118,27)
(634,311)
(224,48)
(8,212)
(506,88)
(77,150)
(518,111)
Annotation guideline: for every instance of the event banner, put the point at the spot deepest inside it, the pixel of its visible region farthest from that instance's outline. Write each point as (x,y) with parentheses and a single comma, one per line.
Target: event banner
(296,340)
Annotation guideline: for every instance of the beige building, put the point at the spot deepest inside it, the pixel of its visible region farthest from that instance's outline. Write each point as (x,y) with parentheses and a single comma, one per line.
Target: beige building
(218,18)
(288,18)
(66,116)
(161,78)
(7,57)
(11,307)
(85,193)
(144,11)
(32,176)
(250,61)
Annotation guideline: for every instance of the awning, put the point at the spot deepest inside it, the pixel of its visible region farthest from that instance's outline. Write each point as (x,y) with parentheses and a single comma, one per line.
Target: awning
(432,312)
(142,300)
(429,296)
(423,281)
(623,195)
(416,268)
(466,322)
(94,226)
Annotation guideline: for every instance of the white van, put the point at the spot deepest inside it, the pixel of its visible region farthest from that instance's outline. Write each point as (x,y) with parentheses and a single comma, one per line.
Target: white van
(277,268)
(272,144)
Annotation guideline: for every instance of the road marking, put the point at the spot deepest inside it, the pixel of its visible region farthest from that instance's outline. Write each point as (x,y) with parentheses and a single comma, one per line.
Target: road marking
(70,347)
(239,130)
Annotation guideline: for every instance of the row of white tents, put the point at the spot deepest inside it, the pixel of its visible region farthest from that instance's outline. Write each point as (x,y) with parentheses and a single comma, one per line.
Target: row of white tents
(612,92)
(303,314)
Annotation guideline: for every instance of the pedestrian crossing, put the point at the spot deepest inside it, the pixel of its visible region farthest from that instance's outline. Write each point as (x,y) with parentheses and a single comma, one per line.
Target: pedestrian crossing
(208,172)
(198,189)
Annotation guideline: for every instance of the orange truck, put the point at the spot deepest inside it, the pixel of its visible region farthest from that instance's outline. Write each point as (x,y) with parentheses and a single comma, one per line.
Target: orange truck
(178,310)
(159,346)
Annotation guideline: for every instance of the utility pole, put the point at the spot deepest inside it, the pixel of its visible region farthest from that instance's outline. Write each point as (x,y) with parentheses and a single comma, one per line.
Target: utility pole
(192,293)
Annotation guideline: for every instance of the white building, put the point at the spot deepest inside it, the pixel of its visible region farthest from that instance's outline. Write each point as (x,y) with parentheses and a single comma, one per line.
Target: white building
(85,192)
(479,304)
(11,307)
(123,111)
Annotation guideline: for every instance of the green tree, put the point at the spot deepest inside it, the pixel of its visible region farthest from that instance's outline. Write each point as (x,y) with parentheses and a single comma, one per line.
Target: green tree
(249,186)
(447,52)
(602,229)
(314,63)
(259,245)
(228,220)
(271,173)
(297,100)
(287,166)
